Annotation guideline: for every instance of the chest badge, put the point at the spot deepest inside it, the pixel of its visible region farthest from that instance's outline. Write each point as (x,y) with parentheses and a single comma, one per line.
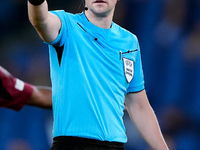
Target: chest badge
(128,69)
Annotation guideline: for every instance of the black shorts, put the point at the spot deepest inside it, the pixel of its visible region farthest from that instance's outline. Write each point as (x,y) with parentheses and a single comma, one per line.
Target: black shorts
(78,143)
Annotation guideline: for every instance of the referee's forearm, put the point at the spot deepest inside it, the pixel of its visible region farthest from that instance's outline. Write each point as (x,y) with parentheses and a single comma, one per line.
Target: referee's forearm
(147,124)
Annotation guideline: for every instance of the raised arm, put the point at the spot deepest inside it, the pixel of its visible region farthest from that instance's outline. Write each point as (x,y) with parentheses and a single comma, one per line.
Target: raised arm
(46,24)
(143,116)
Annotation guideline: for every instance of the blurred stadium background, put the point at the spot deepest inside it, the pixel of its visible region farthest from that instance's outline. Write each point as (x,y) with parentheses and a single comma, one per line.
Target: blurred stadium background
(169,36)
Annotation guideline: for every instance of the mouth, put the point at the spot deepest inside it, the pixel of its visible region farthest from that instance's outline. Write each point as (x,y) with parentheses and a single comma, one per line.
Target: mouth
(99,1)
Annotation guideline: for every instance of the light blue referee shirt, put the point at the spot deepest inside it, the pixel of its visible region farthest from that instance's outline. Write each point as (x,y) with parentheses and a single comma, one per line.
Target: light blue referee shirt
(92,69)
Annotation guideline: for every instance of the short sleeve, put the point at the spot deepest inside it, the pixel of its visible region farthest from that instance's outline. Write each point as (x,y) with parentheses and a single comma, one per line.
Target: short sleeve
(65,25)
(137,83)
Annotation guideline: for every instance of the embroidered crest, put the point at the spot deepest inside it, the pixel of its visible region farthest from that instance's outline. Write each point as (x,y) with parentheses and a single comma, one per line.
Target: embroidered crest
(128,69)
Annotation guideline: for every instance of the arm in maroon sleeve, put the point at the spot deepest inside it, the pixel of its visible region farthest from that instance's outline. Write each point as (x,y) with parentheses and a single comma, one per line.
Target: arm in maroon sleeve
(41,97)
(14,93)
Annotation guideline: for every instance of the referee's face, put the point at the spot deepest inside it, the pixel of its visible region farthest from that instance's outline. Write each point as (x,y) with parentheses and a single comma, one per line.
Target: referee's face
(101,7)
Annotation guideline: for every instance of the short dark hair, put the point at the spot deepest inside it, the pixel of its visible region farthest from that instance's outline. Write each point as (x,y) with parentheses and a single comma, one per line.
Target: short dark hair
(82,4)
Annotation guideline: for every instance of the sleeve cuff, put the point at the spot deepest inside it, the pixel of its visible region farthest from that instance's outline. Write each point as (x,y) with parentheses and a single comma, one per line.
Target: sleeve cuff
(135,89)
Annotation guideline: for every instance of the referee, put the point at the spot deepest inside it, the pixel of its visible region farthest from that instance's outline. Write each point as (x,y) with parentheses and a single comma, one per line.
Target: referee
(95,68)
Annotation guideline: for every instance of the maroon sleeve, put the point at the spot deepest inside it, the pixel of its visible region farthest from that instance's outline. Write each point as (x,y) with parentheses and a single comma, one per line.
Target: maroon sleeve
(14,93)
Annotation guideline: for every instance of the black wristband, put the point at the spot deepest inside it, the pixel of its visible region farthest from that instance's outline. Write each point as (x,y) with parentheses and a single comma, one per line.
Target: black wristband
(36,2)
